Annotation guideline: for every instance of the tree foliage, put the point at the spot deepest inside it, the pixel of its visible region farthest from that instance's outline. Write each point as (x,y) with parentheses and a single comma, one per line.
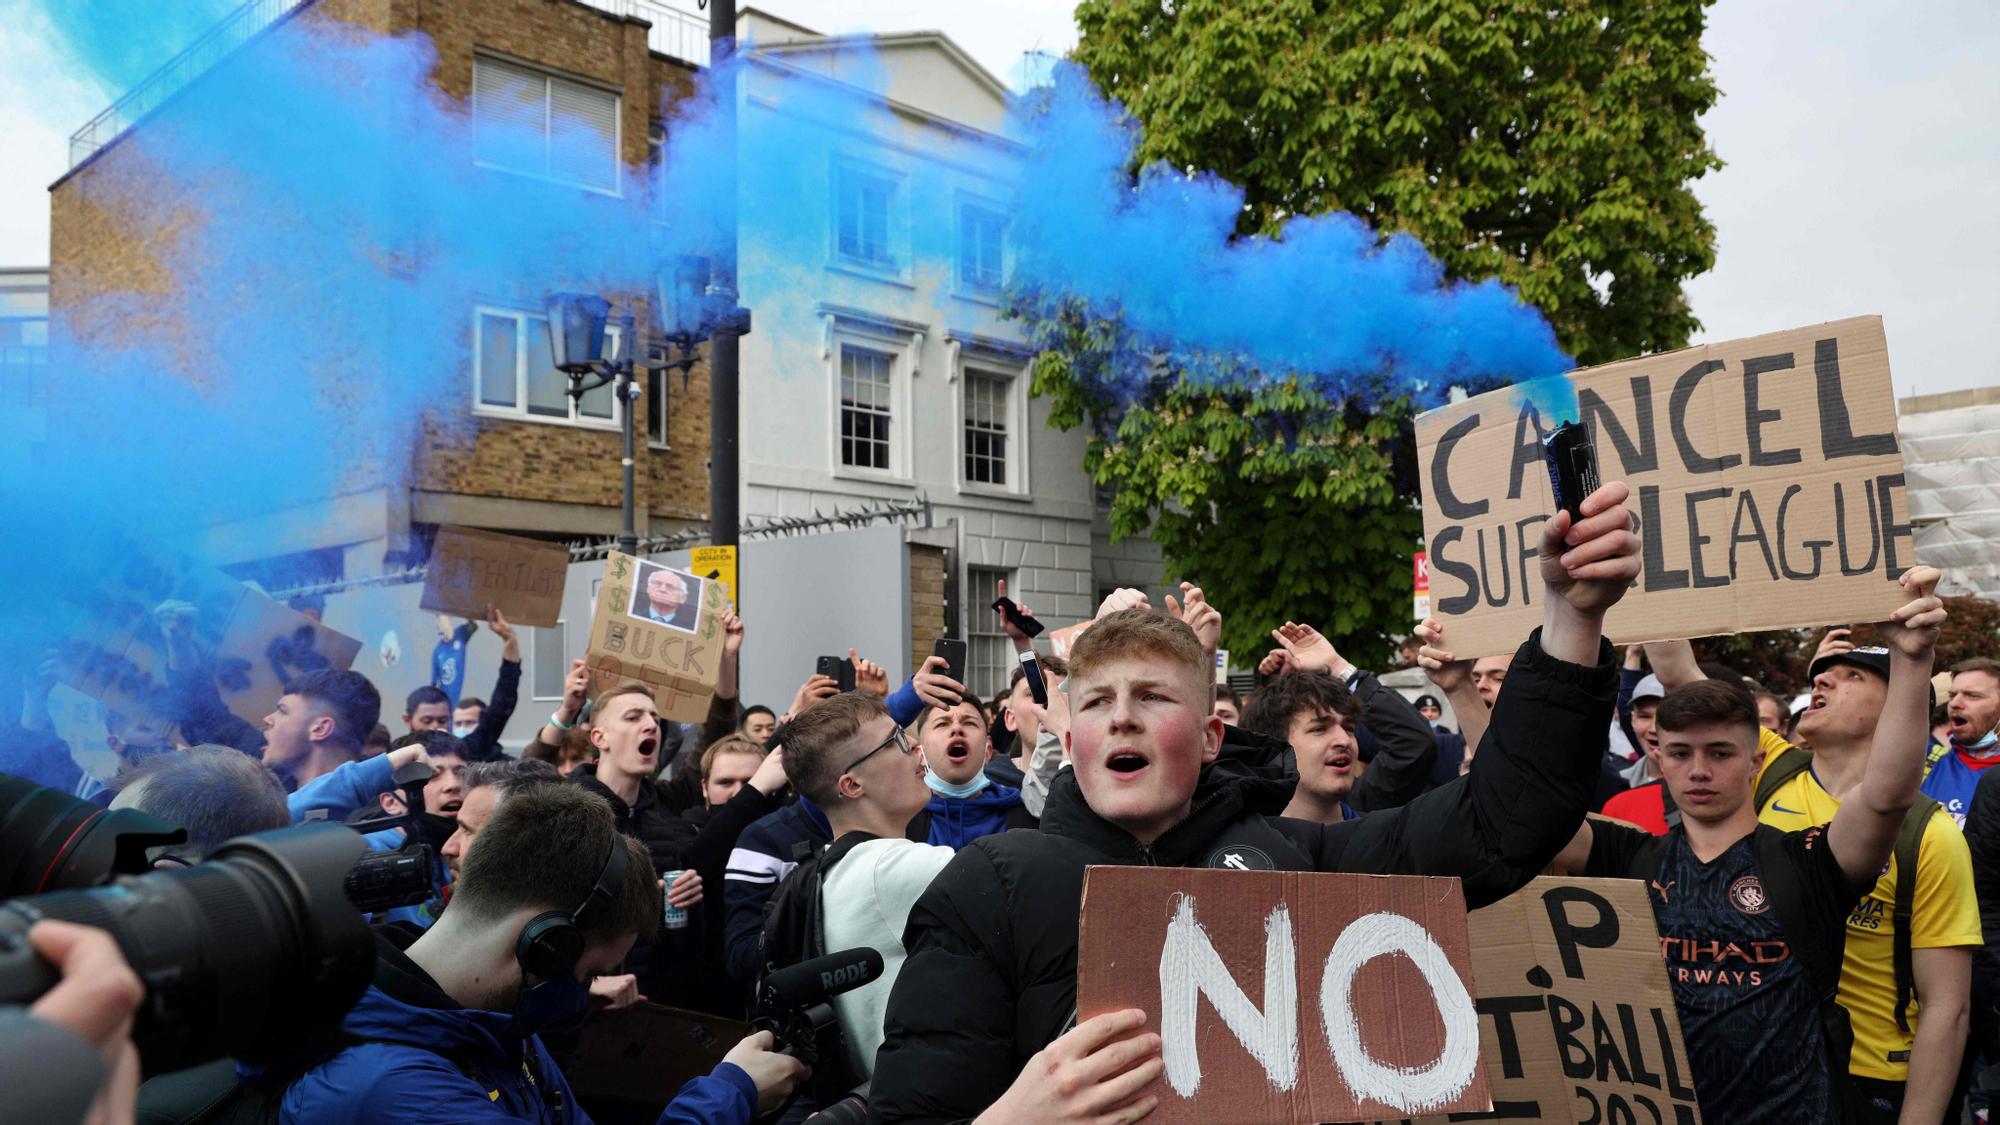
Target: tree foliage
(1548,144)
(1779,658)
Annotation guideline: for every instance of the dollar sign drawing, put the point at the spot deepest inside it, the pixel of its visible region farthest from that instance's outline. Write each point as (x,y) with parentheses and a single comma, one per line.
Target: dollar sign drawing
(618,566)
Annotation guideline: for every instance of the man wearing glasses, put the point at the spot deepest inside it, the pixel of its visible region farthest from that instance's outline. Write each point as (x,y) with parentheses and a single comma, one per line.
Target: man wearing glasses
(848,756)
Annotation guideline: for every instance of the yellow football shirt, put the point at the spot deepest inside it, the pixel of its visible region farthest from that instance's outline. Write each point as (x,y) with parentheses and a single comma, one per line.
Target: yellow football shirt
(1945,913)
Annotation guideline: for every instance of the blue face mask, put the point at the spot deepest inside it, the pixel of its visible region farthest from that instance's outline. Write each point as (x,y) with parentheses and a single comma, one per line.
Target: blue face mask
(941,786)
(1985,743)
(549,1005)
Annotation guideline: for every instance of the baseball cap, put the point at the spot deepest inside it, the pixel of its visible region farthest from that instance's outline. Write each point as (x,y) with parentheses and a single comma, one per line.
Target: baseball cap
(1873,658)
(1428,701)
(1648,688)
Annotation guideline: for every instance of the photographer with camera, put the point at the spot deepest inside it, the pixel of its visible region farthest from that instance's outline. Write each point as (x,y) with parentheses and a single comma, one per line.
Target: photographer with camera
(212,792)
(80,1030)
(549,896)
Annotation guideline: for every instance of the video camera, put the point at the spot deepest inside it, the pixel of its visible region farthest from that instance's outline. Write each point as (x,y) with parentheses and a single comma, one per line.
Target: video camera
(385,880)
(795,1005)
(251,954)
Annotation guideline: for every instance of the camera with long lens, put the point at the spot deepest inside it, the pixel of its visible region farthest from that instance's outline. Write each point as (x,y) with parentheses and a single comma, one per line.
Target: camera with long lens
(253,954)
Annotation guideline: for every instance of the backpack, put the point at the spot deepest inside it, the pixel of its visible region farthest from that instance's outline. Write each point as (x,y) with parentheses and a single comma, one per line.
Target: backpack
(1909,849)
(791,931)
(1819,950)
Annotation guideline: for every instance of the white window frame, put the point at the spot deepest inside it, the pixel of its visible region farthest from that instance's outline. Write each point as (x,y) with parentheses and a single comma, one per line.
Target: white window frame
(900,347)
(982,631)
(960,286)
(549,78)
(968,363)
(519,412)
(656,384)
(897,268)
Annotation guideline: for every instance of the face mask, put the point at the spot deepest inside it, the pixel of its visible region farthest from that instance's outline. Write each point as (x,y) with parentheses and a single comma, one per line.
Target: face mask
(939,785)
(460,730)
(552,1004)
(1985,743)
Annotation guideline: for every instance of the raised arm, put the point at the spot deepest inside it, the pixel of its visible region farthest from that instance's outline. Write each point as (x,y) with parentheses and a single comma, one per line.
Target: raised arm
(548,741)
(1864,830)
(1532,781)
(1674,663)
(484,741)
(1453,677)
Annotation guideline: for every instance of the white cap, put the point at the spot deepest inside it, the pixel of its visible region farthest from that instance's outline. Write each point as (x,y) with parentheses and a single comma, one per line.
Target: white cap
(1801,702)
(1649,688)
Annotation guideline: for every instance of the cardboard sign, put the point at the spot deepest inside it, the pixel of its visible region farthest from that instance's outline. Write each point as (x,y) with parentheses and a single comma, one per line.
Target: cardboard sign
(644,1054)
(472,569)
(660,626)
(1063,639)
(265,646)
(254,645)
(1577,1021)
(1766,473)
(717,564)
(1288,996)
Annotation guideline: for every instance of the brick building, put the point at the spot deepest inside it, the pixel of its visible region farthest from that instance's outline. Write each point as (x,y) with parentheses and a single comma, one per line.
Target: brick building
(512,453)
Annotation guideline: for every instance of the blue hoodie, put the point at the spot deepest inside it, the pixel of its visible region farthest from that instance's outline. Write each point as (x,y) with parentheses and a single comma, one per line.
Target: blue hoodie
(425,1059)
(958,821)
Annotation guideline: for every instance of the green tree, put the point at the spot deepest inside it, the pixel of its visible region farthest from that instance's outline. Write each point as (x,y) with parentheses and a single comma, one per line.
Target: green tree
(1548,144)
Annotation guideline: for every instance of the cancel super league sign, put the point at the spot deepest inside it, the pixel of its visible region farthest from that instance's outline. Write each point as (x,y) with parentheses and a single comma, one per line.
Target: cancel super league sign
(1766,473)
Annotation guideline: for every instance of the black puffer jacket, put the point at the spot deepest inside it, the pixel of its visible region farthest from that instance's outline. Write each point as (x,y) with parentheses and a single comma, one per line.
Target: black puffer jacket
(675,967)
(991,973)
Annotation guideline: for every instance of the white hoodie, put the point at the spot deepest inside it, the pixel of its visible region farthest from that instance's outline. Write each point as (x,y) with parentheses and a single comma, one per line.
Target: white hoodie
(866,901)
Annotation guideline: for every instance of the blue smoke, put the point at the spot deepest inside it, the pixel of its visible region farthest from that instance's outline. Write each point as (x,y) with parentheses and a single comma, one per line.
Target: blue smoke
(1327,299)
(326,233)
(120,42)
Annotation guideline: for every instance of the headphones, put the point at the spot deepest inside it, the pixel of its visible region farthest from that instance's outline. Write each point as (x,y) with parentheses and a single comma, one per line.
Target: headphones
(551,944)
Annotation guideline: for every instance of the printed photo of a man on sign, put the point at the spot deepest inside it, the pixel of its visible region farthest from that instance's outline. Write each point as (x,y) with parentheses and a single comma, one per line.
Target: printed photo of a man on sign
(664,596)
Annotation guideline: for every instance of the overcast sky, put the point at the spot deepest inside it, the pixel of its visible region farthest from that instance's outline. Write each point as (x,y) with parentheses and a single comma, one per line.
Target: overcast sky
(1861,141)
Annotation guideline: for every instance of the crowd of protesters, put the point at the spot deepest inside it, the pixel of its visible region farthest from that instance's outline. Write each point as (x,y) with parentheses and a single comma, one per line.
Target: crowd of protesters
(1821,857)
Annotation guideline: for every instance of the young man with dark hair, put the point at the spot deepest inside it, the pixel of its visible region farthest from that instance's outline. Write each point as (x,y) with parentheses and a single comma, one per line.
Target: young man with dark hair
(318,724)
(1314,714)
(1751,918)
(427,708)
(965,804)
(1905,976)
(549,897)
(444,795)
(849,756)
(758,723)
(976,1022)
(465,716)
(1228,705)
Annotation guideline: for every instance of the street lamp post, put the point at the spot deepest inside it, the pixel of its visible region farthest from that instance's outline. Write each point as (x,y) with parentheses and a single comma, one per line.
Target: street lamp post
(692,311)
(576,344)
(723,355)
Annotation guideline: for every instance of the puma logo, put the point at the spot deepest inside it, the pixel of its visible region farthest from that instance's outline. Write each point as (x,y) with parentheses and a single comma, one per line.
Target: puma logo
(1663,889)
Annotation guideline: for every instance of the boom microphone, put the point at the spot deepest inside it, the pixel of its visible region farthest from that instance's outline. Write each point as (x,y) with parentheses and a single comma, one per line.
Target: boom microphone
(801,986)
